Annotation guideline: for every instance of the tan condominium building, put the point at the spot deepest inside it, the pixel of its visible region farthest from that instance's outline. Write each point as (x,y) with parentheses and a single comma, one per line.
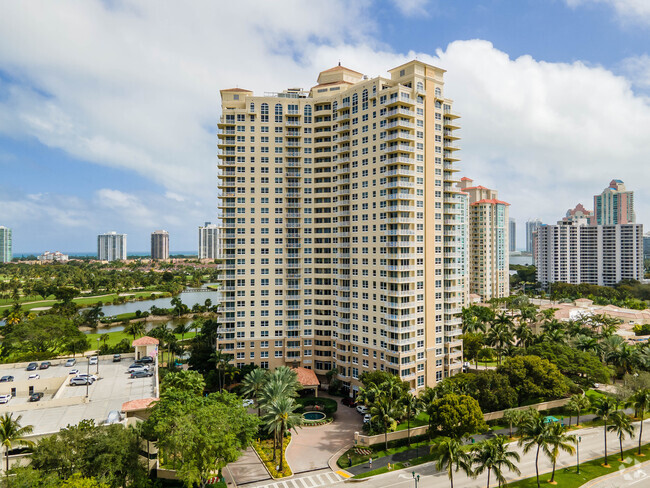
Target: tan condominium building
(489,274)
(160,244)
(340,231)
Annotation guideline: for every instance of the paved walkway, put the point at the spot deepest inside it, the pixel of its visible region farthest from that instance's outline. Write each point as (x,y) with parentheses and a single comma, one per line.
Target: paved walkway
(248,469)
(311,447)
(315,480)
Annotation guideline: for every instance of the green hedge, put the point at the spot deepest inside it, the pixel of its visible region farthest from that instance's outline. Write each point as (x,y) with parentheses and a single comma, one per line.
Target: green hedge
(327,405)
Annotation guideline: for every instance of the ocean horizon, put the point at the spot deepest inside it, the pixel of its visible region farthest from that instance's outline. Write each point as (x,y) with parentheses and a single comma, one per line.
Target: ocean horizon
(84,254)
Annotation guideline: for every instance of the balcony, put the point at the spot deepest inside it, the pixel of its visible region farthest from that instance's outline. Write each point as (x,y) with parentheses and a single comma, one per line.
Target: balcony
(399,208)
(399,123)
(400,111)
(397,172)
(399,232)
(388,267)
(449,123)
(399,148)
(400,135)
(400,220)
(293,122)
(399,159)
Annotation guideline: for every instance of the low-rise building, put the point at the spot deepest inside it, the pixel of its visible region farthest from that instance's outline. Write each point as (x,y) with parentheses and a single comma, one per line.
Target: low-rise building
(55,256)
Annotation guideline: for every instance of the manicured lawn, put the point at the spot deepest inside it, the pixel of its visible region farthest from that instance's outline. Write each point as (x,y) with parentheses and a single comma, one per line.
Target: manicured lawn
(420,420)
(589,470)
(116,337)
(377,452)
(7,303)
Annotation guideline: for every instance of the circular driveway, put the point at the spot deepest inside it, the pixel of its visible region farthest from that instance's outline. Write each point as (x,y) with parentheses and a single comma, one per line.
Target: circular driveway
(311,447)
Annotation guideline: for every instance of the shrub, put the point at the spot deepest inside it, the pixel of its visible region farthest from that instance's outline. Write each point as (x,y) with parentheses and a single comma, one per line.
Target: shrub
(327,405)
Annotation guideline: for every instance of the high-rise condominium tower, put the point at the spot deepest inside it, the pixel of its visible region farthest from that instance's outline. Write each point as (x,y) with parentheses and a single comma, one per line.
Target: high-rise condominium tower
(210,246)
(340,229)
(160,244)
(488,242)
(531,228)
(111,246)
(615,205)
(6,249)
(512,235)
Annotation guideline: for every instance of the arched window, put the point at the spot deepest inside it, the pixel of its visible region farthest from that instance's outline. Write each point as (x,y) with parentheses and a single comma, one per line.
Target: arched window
(438,92)
(265,112)
(355,99)
(252,107)
(419,86)
(364,95)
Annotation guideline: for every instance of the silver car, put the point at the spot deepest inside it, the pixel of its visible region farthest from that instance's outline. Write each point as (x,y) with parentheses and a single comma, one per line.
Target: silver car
(5,398)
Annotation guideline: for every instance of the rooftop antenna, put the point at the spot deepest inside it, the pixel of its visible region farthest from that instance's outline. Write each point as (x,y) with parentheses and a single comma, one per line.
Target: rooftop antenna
(339,62)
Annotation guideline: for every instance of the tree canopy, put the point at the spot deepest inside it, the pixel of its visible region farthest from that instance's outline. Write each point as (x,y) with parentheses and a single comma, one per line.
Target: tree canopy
(456,416)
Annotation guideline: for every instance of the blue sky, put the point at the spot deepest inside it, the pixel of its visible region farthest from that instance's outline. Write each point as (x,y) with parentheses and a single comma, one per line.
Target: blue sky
(108,111)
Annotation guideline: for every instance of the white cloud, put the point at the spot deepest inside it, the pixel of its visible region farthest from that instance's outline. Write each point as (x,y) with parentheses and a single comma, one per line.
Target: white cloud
(636,10)
(411,8)
(637,69)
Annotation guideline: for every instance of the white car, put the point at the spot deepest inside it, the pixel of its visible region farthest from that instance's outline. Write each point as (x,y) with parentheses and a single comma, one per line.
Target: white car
(362,409)
(248,402)
(34,376)
(5,398)
(366,418)
(74,371)
(70,362)
(93,360)
(91,376)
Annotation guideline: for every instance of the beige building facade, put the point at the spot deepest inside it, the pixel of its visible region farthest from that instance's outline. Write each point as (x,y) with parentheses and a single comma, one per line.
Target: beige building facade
(341,227)
(489,269)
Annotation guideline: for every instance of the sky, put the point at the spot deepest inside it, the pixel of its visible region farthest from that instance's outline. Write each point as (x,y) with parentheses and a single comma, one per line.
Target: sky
(109,109)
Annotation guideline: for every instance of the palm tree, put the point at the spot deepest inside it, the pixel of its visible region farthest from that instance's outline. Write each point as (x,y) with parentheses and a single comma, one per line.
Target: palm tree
(427,396)
(534,433)
(253,383)
(622,425)
(558,440)
(586,343)
(384,412)
(578,403)
(603,408)
(500,337)
(281,417)
(640,401)
(493,455)
(104,338)
(11,433)
(412,405)
(135,329)
(524,334)
(182,329)
(451,455)
(513,417)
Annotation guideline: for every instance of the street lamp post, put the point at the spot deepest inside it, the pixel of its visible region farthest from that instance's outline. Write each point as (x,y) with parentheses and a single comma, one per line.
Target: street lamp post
(97,356)
(578,453)
(416,479)
(87,375)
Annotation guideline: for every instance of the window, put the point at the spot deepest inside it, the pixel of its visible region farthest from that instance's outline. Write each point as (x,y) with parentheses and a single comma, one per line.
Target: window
(265,115)
(278,112)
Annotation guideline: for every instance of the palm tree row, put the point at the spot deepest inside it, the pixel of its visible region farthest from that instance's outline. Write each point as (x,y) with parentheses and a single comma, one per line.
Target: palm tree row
(275,393)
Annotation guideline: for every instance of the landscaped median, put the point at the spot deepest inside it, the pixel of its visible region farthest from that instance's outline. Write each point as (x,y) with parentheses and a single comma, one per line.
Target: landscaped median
(264,449)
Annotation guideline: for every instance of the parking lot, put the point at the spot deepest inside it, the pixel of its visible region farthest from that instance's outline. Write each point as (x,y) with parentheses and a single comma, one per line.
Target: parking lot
(65,405)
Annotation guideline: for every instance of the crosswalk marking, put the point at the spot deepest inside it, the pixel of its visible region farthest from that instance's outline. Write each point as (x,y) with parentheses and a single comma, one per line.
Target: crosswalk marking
(313,481)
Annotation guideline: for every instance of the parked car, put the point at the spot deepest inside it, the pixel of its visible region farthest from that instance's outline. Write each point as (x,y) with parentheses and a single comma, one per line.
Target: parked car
(141,373)
(74,372)
(362,409)
(45,365)
(91,376)
(93,360)
(117,358)
(34,377)
(35,397)
(80,380)
(349,402)
(70,362)
(5,398)
(114,416)
(145,360)
(6,379)
(247,402)
(366,418)
(32,366)
(137,367)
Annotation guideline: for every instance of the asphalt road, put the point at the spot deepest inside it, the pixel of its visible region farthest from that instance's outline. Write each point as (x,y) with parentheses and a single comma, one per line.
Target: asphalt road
(591,447)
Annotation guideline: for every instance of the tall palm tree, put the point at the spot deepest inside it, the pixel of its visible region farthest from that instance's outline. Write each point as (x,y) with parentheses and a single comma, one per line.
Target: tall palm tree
(604,408)
(412,405)
(578,403)
(104,338)
(558,440)
(513,417)
(524,335)
(493,455)
(281,417)
(182,329)
(253,383)
(500,337)
(135,329)
(640,401)
(452,456)
(586,343)
(13,434)
(427,396)
(622,425)
(534,433)
(385,412)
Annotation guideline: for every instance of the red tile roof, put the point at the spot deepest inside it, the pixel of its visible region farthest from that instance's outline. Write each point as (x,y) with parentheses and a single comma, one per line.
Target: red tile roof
(141,404)
(145,341)
(306,377)
(465,178)
(492,201)
(475,188)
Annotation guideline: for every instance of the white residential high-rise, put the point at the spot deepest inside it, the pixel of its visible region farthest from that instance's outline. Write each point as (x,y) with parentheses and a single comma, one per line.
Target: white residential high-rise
(6,245)
(342,232)
(160,245)
(210,245)
(574,252)
(111,246)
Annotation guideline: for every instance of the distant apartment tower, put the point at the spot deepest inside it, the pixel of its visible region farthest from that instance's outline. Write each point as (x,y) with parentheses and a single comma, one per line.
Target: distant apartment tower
(512,235)
(342,227)
(578,214)
(531,228)
(210,245)
(489,223)
(615,205)
(111,247)
(574,252)
(646,246)
(6,249)
(160,244)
